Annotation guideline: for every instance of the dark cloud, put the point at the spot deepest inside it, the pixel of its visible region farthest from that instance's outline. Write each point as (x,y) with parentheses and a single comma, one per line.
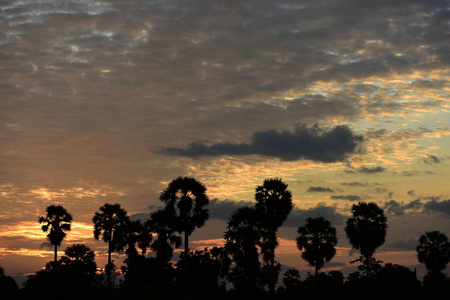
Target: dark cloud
(320,189)
(411,192)
(223,209)
(298,216)
(431,159)
(347,197)
(399,208)
(407,173)
(368,170)
(334,264)
(405,245)
(441,206)
(303,142)
(355,183)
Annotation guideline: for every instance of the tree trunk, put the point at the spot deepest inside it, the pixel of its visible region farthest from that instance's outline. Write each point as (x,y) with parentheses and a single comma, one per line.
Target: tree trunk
(186,256)
(56,253)
(108,271)
(272,279)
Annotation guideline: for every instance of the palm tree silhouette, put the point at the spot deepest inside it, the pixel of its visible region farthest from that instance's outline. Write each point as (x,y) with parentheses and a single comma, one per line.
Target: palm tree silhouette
(80,257)
(134,233)
(57,222)
(317,239)
(160,223)
(186,198)
(108,222)
(243,237)
(366,230)
(434,251)
(273,204)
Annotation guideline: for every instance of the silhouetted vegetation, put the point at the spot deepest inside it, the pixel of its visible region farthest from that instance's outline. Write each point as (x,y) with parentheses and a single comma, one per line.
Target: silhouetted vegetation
(273,205)
(186,201)
(110,222)
(366,231)
(317,239)
(244,268)
(56,222)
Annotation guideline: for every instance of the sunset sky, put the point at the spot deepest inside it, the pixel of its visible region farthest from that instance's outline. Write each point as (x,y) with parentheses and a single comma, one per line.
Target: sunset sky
(108,101)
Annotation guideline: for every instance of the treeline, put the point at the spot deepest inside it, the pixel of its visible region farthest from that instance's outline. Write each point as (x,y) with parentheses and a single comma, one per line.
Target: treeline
(244,268)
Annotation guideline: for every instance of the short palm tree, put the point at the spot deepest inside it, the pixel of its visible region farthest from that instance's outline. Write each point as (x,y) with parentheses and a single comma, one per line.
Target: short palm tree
(273,204)
(134,234)
(186,198)
(80,257)
(108,223)
(366,230)
(434,251)
(56,222)
(243,237)
(317,239)
(159,223)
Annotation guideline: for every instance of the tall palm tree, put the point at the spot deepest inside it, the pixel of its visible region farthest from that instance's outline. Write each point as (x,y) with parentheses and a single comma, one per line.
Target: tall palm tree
(243,237)
(366,230)
(273,204)
(317,239)
(186,198)
(107,223)
(434,251)
(57,222)
(160,224)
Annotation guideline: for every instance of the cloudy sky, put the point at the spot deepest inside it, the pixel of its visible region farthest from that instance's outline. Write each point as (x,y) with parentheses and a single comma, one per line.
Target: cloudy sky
(346,101)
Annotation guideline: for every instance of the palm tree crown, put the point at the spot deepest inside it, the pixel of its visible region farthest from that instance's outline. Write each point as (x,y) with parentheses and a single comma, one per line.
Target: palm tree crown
(434,251)
(159,223)
(366,230)
(187,198)
(273,204)
(107,223)
(243,236)
(56,222)
(317,239)
(80,257)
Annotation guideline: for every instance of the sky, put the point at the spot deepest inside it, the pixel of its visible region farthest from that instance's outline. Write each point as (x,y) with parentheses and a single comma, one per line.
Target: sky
(108,101)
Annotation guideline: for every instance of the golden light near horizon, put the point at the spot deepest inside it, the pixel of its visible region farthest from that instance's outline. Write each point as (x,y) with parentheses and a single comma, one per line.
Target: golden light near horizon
(108,102)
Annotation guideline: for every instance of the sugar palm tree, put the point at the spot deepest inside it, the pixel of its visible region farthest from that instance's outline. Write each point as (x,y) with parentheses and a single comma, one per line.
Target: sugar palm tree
(186,198)
(273,205)
(107,223)
(56,223)
(317,239)
(80,257)
(159,223)
(134,235)
(366,230)
(243,237)
(434,251)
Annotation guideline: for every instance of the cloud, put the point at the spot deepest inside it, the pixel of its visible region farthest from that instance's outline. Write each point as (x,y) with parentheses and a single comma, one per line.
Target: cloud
(404,244)
(411,192)
(222,209)
(431,159)
(355,183)
(399,208)
(441,206)
(298,216)
(347,197)
(366,170)
(313,143)
(320,189)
